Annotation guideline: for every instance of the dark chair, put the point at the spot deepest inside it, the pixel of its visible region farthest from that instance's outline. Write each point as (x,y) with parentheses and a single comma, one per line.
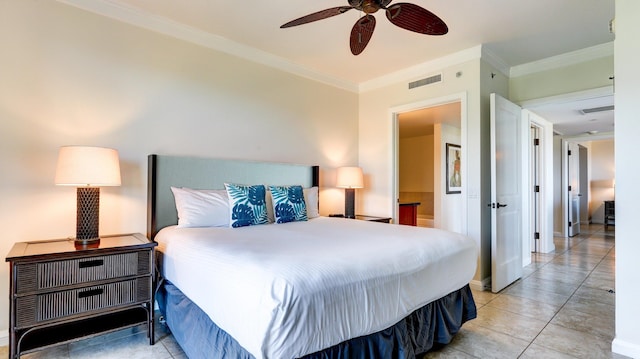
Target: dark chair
(609,214)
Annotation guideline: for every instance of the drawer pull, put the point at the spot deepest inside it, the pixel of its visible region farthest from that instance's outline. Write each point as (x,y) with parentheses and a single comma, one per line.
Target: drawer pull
(90,293)
(93,263)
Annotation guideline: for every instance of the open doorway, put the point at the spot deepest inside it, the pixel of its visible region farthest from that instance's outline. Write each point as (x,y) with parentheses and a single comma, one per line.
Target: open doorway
(579,117)
(596,179)
(423,134)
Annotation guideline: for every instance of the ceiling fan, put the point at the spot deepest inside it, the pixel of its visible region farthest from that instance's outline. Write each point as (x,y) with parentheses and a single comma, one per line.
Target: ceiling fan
(407,16)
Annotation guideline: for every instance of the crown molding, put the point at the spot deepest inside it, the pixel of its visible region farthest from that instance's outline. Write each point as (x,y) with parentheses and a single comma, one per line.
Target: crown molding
(494,60)
(566,59)
(413,72)
(180,31)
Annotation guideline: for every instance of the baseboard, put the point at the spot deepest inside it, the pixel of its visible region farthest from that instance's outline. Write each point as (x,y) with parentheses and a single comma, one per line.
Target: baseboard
(4,338)
(484,284)
(625,348)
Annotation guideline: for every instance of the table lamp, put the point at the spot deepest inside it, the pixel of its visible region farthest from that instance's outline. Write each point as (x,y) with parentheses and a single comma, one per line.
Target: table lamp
(349,178)
(88,169)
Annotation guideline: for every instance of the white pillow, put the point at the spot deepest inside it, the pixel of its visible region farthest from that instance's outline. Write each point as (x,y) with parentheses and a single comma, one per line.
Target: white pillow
(201,208)
(311,199)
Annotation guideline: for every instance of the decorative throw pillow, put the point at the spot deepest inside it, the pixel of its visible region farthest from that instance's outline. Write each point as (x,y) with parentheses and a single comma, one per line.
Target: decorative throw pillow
(288,203)
(247,205)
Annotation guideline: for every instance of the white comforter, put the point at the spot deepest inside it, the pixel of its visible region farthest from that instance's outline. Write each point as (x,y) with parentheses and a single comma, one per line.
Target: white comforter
(287,290)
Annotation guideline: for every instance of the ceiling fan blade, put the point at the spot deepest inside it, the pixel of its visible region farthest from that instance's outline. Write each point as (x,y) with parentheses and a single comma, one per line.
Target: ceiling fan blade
(317,16)
(417,19)
(361,34)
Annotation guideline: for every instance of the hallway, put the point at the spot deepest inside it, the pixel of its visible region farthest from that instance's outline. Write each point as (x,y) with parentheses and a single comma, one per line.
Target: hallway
(563,307)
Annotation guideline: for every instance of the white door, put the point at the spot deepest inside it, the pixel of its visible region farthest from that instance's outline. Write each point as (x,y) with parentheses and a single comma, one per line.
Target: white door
(506,192)
(573,174)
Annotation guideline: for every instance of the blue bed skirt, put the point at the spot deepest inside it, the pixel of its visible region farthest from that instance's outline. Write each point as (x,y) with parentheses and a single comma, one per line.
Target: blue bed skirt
(434,324)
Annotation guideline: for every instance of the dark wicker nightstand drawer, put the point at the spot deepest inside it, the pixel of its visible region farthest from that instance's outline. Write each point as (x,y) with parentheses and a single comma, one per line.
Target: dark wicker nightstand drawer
(34,309)
(49,275)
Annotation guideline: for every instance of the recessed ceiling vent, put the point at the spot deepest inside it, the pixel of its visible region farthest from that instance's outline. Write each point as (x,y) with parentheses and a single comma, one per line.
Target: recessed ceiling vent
(426,81)
(596,109)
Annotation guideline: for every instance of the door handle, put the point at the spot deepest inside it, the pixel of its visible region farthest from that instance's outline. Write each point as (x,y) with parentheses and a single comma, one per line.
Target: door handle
(496,205)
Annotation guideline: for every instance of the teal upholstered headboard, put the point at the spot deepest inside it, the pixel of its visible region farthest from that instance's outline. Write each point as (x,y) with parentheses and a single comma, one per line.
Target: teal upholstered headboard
(209,173)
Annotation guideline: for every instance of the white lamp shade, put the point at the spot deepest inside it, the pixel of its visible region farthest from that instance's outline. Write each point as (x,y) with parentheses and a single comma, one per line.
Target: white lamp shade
(349,177)
(88,166)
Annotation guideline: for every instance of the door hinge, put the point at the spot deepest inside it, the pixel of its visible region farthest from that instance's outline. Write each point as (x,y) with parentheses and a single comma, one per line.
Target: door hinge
(570,224)
(569,153)
(569,188)
(536,235)
(536,189)
(536,142)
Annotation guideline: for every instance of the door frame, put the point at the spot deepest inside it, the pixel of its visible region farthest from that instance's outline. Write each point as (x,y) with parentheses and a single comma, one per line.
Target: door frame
(545,150)
(419,105)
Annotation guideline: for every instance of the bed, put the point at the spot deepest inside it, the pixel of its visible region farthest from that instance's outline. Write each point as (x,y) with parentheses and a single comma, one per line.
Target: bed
(316,288)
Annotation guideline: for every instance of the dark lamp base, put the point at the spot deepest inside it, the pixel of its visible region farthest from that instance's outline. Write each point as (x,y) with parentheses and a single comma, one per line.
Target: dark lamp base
(349,203)
(88,214)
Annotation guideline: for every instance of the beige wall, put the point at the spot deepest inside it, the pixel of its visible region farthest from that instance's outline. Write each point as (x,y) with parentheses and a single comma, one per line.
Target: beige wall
(559,81)
(71,77)
(602,174)
(416,164)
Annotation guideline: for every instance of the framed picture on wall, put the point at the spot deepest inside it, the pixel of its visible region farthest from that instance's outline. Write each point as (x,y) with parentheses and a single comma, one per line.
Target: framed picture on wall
(454,177)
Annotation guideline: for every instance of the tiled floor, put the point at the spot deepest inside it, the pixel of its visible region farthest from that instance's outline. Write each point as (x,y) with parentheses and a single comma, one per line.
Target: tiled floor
(563,307)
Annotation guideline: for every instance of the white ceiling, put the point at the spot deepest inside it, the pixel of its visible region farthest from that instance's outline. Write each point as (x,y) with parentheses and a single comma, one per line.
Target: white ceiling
(515,31)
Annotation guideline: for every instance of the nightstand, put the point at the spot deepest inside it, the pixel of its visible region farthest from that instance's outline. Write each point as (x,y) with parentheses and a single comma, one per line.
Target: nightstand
(60,293)
(373,218)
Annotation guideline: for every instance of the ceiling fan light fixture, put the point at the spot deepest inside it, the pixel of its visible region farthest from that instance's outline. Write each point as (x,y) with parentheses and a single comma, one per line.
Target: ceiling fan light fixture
(404,15)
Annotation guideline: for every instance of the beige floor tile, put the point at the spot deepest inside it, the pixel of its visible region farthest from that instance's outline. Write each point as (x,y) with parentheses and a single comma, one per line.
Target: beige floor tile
(448,352)
(482,297)
(512,324)
(519,290)
(537,352)
(574,342)
(586,306)
(586,322)
(553,286)
(525,307)
(486,343)
(131,347)
(598,295)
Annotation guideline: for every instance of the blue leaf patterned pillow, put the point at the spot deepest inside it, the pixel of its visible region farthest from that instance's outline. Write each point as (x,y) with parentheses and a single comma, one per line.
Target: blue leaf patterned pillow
(247,204)
(288,203)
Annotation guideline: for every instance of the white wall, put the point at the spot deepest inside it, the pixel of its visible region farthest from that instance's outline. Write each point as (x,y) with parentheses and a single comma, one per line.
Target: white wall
(627,72)
(450,206)
(71,77)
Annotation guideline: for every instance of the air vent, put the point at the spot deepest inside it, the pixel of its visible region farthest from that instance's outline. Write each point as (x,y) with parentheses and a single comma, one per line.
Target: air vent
(426,81)
(596,109)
